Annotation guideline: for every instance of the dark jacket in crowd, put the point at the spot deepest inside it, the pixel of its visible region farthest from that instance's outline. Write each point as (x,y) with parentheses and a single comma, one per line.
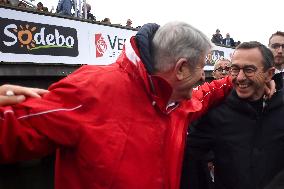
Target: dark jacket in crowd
(231,42)
(247,139)
(90,16)
(279,80)
(200,178)
(217,39)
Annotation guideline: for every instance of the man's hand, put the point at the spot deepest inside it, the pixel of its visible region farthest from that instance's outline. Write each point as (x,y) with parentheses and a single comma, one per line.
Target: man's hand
(270,89)
(13,94)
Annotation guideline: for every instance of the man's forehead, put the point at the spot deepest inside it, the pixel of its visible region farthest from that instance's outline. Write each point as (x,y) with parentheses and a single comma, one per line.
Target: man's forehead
(222,62)
(277,39)
(245,56)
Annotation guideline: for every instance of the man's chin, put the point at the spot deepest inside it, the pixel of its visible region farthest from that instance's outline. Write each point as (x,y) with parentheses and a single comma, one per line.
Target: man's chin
(279,61)
(243,94)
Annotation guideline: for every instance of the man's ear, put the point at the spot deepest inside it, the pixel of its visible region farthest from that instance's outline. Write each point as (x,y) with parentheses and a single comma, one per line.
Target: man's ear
(270,74)
(213,74)
(182,69)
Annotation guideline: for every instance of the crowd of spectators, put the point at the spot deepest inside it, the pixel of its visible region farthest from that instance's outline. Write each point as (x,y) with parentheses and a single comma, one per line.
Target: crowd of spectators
(23,4)
(64,8)
(4,2)
(218,39)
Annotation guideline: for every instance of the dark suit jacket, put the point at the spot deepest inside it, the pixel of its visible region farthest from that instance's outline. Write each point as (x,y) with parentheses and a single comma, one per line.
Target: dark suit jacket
(232,42)
(279,80)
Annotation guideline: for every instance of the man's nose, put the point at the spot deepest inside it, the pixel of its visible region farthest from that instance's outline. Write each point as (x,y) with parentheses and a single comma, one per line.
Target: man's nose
(241,75)
(280,50)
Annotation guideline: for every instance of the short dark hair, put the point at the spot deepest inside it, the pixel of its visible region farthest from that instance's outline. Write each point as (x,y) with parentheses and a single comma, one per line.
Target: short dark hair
(21,3)
(280,33)
(267,56)
(39,4)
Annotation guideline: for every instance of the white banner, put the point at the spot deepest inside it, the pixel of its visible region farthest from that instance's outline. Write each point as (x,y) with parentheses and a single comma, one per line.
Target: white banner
(30,37)
(217,53)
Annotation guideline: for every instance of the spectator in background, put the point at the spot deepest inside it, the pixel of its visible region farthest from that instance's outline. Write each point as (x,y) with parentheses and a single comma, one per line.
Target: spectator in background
(45,9)
(90,16)
(276,45)
(217,38)
(221,68)
(4,2)
(22,5)
(39,6)
(106,21)
(237,43)
(64,7)
(228,41)
(129,23)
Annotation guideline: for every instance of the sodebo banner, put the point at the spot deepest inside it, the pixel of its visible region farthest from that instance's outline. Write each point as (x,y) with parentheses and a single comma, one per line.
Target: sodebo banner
(22,37)
(217,53)
(26,36)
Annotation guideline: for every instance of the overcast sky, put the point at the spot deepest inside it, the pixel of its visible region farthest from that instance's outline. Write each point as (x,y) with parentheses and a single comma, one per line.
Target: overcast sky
(245,20)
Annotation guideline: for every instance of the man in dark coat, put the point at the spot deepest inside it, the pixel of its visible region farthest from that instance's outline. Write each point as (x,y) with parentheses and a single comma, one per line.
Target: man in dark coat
(228,41)
(245,132)
(217,38)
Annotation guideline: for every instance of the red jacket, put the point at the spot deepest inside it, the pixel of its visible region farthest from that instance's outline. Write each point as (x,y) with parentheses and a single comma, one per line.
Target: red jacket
(108,127)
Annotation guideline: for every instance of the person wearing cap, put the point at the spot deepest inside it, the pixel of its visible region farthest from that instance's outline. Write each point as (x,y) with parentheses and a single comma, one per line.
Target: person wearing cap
(217,38)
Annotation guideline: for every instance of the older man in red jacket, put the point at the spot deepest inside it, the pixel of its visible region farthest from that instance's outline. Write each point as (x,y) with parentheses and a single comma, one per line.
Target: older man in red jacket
(122,125)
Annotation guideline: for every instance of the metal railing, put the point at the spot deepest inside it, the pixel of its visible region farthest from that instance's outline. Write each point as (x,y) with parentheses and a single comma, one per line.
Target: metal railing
(78,4)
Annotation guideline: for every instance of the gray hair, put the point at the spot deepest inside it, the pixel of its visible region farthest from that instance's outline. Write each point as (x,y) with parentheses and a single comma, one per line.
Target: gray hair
(177,40)
(217,63)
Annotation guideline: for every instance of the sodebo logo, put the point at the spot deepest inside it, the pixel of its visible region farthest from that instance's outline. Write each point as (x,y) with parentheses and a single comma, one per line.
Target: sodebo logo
(32,38)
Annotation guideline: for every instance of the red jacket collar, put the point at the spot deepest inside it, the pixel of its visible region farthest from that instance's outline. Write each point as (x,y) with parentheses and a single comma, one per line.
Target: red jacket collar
(158,88)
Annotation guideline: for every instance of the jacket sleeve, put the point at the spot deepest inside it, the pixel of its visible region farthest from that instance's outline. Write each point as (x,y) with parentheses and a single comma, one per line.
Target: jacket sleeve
(37,127)
(211,94)
(200,140)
